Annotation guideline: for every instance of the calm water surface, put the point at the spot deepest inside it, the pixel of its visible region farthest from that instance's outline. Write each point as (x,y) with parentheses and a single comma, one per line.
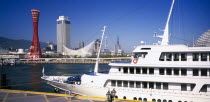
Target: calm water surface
(27,76)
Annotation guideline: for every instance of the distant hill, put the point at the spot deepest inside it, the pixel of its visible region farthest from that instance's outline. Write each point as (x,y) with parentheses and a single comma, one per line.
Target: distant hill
(6,43)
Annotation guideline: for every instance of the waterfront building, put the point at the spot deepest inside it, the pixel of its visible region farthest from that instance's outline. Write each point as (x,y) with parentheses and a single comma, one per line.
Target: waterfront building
(204,39)
(82,52)
(63,33)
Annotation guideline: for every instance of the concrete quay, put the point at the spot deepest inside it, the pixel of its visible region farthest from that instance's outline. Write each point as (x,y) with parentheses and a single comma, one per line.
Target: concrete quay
(7,95)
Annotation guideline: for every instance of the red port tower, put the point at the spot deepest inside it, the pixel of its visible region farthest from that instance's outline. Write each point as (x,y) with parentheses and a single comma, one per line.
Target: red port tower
(35,51)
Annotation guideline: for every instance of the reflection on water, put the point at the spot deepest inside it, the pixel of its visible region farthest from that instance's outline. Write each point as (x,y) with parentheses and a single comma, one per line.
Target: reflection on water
(28,76)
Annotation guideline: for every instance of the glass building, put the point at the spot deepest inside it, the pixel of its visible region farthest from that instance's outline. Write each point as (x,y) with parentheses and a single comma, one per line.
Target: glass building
(63,33)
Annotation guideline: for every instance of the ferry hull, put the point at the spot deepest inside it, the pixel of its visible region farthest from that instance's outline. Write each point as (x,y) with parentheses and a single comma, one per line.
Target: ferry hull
(129,93)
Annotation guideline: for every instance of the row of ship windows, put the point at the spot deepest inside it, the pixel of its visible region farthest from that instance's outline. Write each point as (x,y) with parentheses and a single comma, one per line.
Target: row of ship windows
(165,71)
(151,85)
(183,57)
(138,84)
(153,100)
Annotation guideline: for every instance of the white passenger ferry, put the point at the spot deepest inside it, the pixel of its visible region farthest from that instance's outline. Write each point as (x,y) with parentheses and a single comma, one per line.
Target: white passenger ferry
(157,73)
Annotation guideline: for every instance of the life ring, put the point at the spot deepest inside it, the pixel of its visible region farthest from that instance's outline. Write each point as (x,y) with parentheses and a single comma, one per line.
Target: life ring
(135,61)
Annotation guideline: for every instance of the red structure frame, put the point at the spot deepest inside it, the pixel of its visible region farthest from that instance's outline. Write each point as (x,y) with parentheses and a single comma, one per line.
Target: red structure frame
(35,51)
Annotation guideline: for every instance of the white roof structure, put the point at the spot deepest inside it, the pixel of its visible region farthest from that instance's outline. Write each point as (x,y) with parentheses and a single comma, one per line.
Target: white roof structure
(83,52)
(204,39)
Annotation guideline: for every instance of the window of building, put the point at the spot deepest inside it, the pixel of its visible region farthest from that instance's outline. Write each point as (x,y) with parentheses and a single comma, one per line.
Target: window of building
(204,88)
(158,100)
(125,83)
(161,71)
(144,84)
(203,72)
(119,83)
(168,71)
(151,70)
(119,69)
(151,85)
(144,70)
(113,83)
(125,70)
(183,87)
(176,71)
(192,86)
(183,57)
(138,70)
(195,56)
(183,72)
(131,84)
(162,57)
(164,100)
(176,56)
(138,84)
(165,86)
(195,72)
(158,85)
(203,56)
(168,56)
(131,70)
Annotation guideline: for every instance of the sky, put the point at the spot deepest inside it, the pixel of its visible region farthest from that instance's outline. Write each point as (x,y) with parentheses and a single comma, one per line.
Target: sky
(132,20)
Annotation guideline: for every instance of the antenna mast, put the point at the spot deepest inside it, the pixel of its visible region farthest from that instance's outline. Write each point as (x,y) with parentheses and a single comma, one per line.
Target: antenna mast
(99,50)
(165,36)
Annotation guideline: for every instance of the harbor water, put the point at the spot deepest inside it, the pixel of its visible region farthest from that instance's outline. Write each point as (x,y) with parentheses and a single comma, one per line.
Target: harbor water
(28,76)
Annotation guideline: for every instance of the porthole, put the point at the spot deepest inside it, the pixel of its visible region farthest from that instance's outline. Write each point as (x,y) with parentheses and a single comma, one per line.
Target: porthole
(145,100)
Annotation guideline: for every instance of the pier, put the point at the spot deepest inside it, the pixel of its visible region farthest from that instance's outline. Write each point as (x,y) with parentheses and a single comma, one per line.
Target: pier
(7,95)
(76,60)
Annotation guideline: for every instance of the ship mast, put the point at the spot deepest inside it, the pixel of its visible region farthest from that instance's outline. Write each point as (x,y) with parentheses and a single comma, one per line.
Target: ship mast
(99,50)
(165,36)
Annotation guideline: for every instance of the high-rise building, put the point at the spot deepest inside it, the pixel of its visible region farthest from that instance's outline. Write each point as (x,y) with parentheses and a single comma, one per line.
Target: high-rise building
(63,33)
(117,49)
(81,44)
(35,51)
(96,46)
